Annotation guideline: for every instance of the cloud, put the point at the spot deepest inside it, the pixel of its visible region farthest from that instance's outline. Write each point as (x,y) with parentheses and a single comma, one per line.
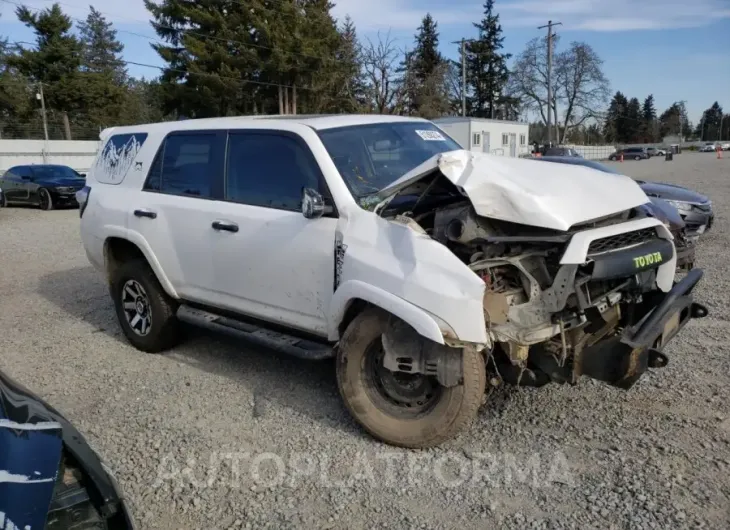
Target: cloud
(128,11)
(406,15)
(618,15)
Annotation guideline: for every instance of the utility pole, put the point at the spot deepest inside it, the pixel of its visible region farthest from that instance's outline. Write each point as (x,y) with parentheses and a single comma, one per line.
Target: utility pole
(463,77)
(463,72)
(550,36)
(39,95)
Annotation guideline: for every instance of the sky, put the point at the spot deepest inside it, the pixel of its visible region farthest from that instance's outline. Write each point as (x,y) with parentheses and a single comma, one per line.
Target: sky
(674,49)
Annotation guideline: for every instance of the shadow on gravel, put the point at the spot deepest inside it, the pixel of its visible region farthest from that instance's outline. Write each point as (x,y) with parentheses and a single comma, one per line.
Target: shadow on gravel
(307,387)
(82,293)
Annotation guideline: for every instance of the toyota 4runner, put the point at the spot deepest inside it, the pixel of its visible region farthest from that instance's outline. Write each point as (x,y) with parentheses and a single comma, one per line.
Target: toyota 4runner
(424,269)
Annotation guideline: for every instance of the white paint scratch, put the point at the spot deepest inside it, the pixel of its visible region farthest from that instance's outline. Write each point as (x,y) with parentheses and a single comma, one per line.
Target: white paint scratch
(40,426)
(7,477)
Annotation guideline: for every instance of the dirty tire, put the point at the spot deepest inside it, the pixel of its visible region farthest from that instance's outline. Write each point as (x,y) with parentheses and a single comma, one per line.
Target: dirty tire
(456,407)
(164,329)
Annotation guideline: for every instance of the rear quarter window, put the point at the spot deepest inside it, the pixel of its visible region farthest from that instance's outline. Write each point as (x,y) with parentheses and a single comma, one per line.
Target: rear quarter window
(117,157)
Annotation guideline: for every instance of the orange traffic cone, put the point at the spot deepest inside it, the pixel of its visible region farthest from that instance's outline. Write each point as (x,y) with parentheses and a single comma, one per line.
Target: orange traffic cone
(719,153)
(621,157)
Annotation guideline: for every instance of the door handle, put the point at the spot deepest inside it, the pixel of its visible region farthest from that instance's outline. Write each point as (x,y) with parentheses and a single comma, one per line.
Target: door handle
(226,226)
(145,213)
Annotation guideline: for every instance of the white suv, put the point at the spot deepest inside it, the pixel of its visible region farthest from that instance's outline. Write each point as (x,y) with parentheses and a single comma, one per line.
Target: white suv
(423,268)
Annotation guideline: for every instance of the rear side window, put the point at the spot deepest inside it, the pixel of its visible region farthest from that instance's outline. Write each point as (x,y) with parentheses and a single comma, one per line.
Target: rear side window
(117,156)
(269,170)
(187,164)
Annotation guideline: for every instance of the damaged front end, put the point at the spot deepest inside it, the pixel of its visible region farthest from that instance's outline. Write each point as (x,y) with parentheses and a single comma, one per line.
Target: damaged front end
(571,296)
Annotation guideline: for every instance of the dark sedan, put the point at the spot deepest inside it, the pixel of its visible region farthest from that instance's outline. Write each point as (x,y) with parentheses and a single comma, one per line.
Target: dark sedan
(49,476)
(45,185)
(630,153)
(695,208)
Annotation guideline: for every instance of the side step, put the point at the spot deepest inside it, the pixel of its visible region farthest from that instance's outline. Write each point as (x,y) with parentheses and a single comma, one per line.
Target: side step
(281,342)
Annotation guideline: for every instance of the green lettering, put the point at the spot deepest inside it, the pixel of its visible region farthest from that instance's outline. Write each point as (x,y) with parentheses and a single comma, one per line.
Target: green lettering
(636,262)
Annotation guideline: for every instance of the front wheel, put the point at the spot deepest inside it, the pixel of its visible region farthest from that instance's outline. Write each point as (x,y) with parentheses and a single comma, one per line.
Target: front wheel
(45,201)
(406,410)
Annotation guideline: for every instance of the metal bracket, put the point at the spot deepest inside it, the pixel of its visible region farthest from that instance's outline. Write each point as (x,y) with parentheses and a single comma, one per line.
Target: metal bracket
(408,352)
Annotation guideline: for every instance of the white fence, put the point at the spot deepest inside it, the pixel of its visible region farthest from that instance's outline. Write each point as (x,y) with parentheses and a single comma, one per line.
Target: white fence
(76,154)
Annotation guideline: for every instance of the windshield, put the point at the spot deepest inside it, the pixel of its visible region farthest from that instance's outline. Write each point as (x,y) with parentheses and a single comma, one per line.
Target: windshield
(54,172)
(370,157)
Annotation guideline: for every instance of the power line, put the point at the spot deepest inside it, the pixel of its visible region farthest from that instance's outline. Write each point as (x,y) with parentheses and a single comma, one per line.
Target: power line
(179,30)
(188,72)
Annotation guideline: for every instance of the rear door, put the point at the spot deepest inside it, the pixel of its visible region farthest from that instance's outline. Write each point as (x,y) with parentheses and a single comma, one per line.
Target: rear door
(22,184)
(175,210)
(8,182)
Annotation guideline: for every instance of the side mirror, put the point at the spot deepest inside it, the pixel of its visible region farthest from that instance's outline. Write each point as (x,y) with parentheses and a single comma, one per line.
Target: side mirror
(312,204)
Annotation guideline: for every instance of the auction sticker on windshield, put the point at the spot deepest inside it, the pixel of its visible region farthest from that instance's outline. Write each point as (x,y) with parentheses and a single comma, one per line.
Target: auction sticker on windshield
(431,136)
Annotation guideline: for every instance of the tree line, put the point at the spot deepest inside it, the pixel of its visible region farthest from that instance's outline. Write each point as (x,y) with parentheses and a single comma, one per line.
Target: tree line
(629,121)
(240,57)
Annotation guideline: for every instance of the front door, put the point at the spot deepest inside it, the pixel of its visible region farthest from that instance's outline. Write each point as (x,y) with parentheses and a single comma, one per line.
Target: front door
(276,264)
(21,179)
(512,144)
(485,141)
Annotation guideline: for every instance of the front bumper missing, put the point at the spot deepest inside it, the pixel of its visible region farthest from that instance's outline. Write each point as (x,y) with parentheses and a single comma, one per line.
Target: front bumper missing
(622,360)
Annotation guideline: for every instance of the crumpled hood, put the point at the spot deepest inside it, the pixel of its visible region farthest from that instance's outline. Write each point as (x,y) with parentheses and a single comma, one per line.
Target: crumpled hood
(524,191)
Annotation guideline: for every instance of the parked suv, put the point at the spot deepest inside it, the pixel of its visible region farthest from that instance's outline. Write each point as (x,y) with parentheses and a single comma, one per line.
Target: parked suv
(424,269)
(634,153)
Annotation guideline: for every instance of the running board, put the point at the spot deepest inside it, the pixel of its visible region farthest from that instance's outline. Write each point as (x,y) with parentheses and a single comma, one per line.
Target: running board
(281,342)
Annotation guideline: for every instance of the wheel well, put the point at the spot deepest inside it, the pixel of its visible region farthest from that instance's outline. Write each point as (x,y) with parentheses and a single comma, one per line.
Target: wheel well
(119,251)
(355,307)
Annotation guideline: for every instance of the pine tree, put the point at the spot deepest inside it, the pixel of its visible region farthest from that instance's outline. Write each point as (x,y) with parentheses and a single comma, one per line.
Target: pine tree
(615,125)
(424,72)
(648,116)
(102,51)
(351,96)
(426,58)
(55,62)
(709,127)
(212,66)
(104,74)
(487,72)
(634,123)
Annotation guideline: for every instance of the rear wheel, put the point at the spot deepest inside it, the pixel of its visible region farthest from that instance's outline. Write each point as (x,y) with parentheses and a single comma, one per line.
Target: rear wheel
(145,312)
(407,410)
(637,157)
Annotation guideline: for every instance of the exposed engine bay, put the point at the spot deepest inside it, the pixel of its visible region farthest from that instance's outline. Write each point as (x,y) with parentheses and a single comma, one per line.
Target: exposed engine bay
(541,314)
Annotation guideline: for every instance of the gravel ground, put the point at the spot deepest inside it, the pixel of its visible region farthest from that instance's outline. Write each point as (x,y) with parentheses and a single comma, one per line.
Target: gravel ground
(218,435)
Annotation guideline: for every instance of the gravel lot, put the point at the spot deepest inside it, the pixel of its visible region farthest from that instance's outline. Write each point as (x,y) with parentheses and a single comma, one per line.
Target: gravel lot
(217,435)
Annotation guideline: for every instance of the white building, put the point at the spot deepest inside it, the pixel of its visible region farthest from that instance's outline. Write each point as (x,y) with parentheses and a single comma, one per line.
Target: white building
(498,137)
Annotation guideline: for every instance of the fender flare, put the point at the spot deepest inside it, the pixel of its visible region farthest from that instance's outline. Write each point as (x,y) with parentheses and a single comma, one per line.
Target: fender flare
(136,239)
(423,322)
